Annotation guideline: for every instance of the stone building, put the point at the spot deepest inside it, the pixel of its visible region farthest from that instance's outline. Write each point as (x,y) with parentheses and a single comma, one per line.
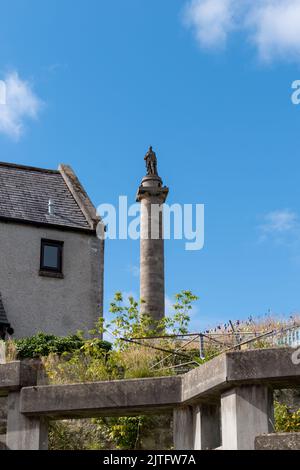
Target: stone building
(51,261)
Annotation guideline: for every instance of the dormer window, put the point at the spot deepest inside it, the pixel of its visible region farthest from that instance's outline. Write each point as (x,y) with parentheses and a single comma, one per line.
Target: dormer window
(51,257)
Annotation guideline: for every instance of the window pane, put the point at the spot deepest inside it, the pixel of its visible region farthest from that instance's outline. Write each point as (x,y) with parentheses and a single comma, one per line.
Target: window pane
(51,256)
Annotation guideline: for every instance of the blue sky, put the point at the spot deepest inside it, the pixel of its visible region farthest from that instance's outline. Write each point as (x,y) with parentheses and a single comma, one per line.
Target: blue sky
(208,84)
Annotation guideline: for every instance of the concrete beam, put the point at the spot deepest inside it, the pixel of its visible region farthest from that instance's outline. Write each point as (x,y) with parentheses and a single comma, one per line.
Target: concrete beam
(117,397)
(246,412)
(206,381)
(202,385)
(17,374)
(241,367)
(257,366)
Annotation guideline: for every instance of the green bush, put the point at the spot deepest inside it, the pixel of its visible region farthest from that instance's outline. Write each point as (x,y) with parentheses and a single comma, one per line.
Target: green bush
(42,345)
(285,419)
(76,435)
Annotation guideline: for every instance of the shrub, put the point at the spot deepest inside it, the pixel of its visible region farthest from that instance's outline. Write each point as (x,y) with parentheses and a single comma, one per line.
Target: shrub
(42,345)
(76,435)
(285,419)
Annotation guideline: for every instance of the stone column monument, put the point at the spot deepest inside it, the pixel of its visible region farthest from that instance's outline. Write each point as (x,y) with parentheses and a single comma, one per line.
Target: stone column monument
(152,195)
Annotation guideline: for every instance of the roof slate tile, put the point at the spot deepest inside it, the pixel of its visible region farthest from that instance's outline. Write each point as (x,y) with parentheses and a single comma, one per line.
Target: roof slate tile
(25,193)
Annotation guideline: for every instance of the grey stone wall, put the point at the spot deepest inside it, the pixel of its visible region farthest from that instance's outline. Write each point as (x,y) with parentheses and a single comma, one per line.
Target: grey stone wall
(59,306)
(280,441)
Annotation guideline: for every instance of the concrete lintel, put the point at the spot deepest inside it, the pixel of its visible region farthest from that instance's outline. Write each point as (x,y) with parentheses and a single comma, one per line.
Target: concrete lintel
(206,381)
(256,366)
(17,374)
(118,397)
(272,367)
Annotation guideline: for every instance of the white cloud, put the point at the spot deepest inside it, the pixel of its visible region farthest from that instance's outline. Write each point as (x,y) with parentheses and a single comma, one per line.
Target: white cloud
(280,221)
(212,20)
(272,25)
(21,104)
(276,28)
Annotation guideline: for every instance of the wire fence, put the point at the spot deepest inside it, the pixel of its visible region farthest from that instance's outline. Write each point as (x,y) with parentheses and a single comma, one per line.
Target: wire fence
(184,352)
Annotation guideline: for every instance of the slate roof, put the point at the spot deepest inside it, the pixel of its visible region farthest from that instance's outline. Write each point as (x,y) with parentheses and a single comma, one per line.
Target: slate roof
(25,193)
(3,317)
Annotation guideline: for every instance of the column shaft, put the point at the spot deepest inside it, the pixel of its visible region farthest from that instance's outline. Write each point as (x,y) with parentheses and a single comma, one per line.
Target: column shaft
(207,427)
(197,427)
(183,429)
(152,276)
(246,411)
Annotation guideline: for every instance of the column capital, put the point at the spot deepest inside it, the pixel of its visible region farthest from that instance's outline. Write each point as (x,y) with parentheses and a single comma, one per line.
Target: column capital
(152,186)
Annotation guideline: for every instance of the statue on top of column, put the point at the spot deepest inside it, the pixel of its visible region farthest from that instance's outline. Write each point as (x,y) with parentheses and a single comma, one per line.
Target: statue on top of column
(151,162)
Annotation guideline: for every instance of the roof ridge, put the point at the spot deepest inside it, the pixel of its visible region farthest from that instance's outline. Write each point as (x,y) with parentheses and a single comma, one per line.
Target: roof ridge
(80,195)
(29,168)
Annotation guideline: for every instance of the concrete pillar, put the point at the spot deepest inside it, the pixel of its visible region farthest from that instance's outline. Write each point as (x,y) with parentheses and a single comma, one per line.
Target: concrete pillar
(152,195)
(183,429)
(246,412)
(207,427)
(196,427)
(24,433)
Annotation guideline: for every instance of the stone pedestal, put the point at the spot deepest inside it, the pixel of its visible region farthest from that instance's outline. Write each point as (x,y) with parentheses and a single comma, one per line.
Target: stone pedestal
(152,195)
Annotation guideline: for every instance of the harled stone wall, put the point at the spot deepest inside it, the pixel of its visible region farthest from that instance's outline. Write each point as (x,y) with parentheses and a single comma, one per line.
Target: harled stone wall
(59,306)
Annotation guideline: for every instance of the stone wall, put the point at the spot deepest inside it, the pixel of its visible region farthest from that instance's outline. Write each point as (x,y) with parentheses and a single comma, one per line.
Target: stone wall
(59,306)
(280,441)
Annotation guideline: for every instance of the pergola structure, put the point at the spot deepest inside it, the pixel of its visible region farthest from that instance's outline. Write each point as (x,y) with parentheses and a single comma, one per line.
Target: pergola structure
(225,403)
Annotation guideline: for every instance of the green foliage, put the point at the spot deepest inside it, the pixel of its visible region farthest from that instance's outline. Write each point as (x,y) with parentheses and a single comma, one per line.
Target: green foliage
(42,345)
(128,323)
(75,435)
(124,432)
(179,322)
(285,419)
